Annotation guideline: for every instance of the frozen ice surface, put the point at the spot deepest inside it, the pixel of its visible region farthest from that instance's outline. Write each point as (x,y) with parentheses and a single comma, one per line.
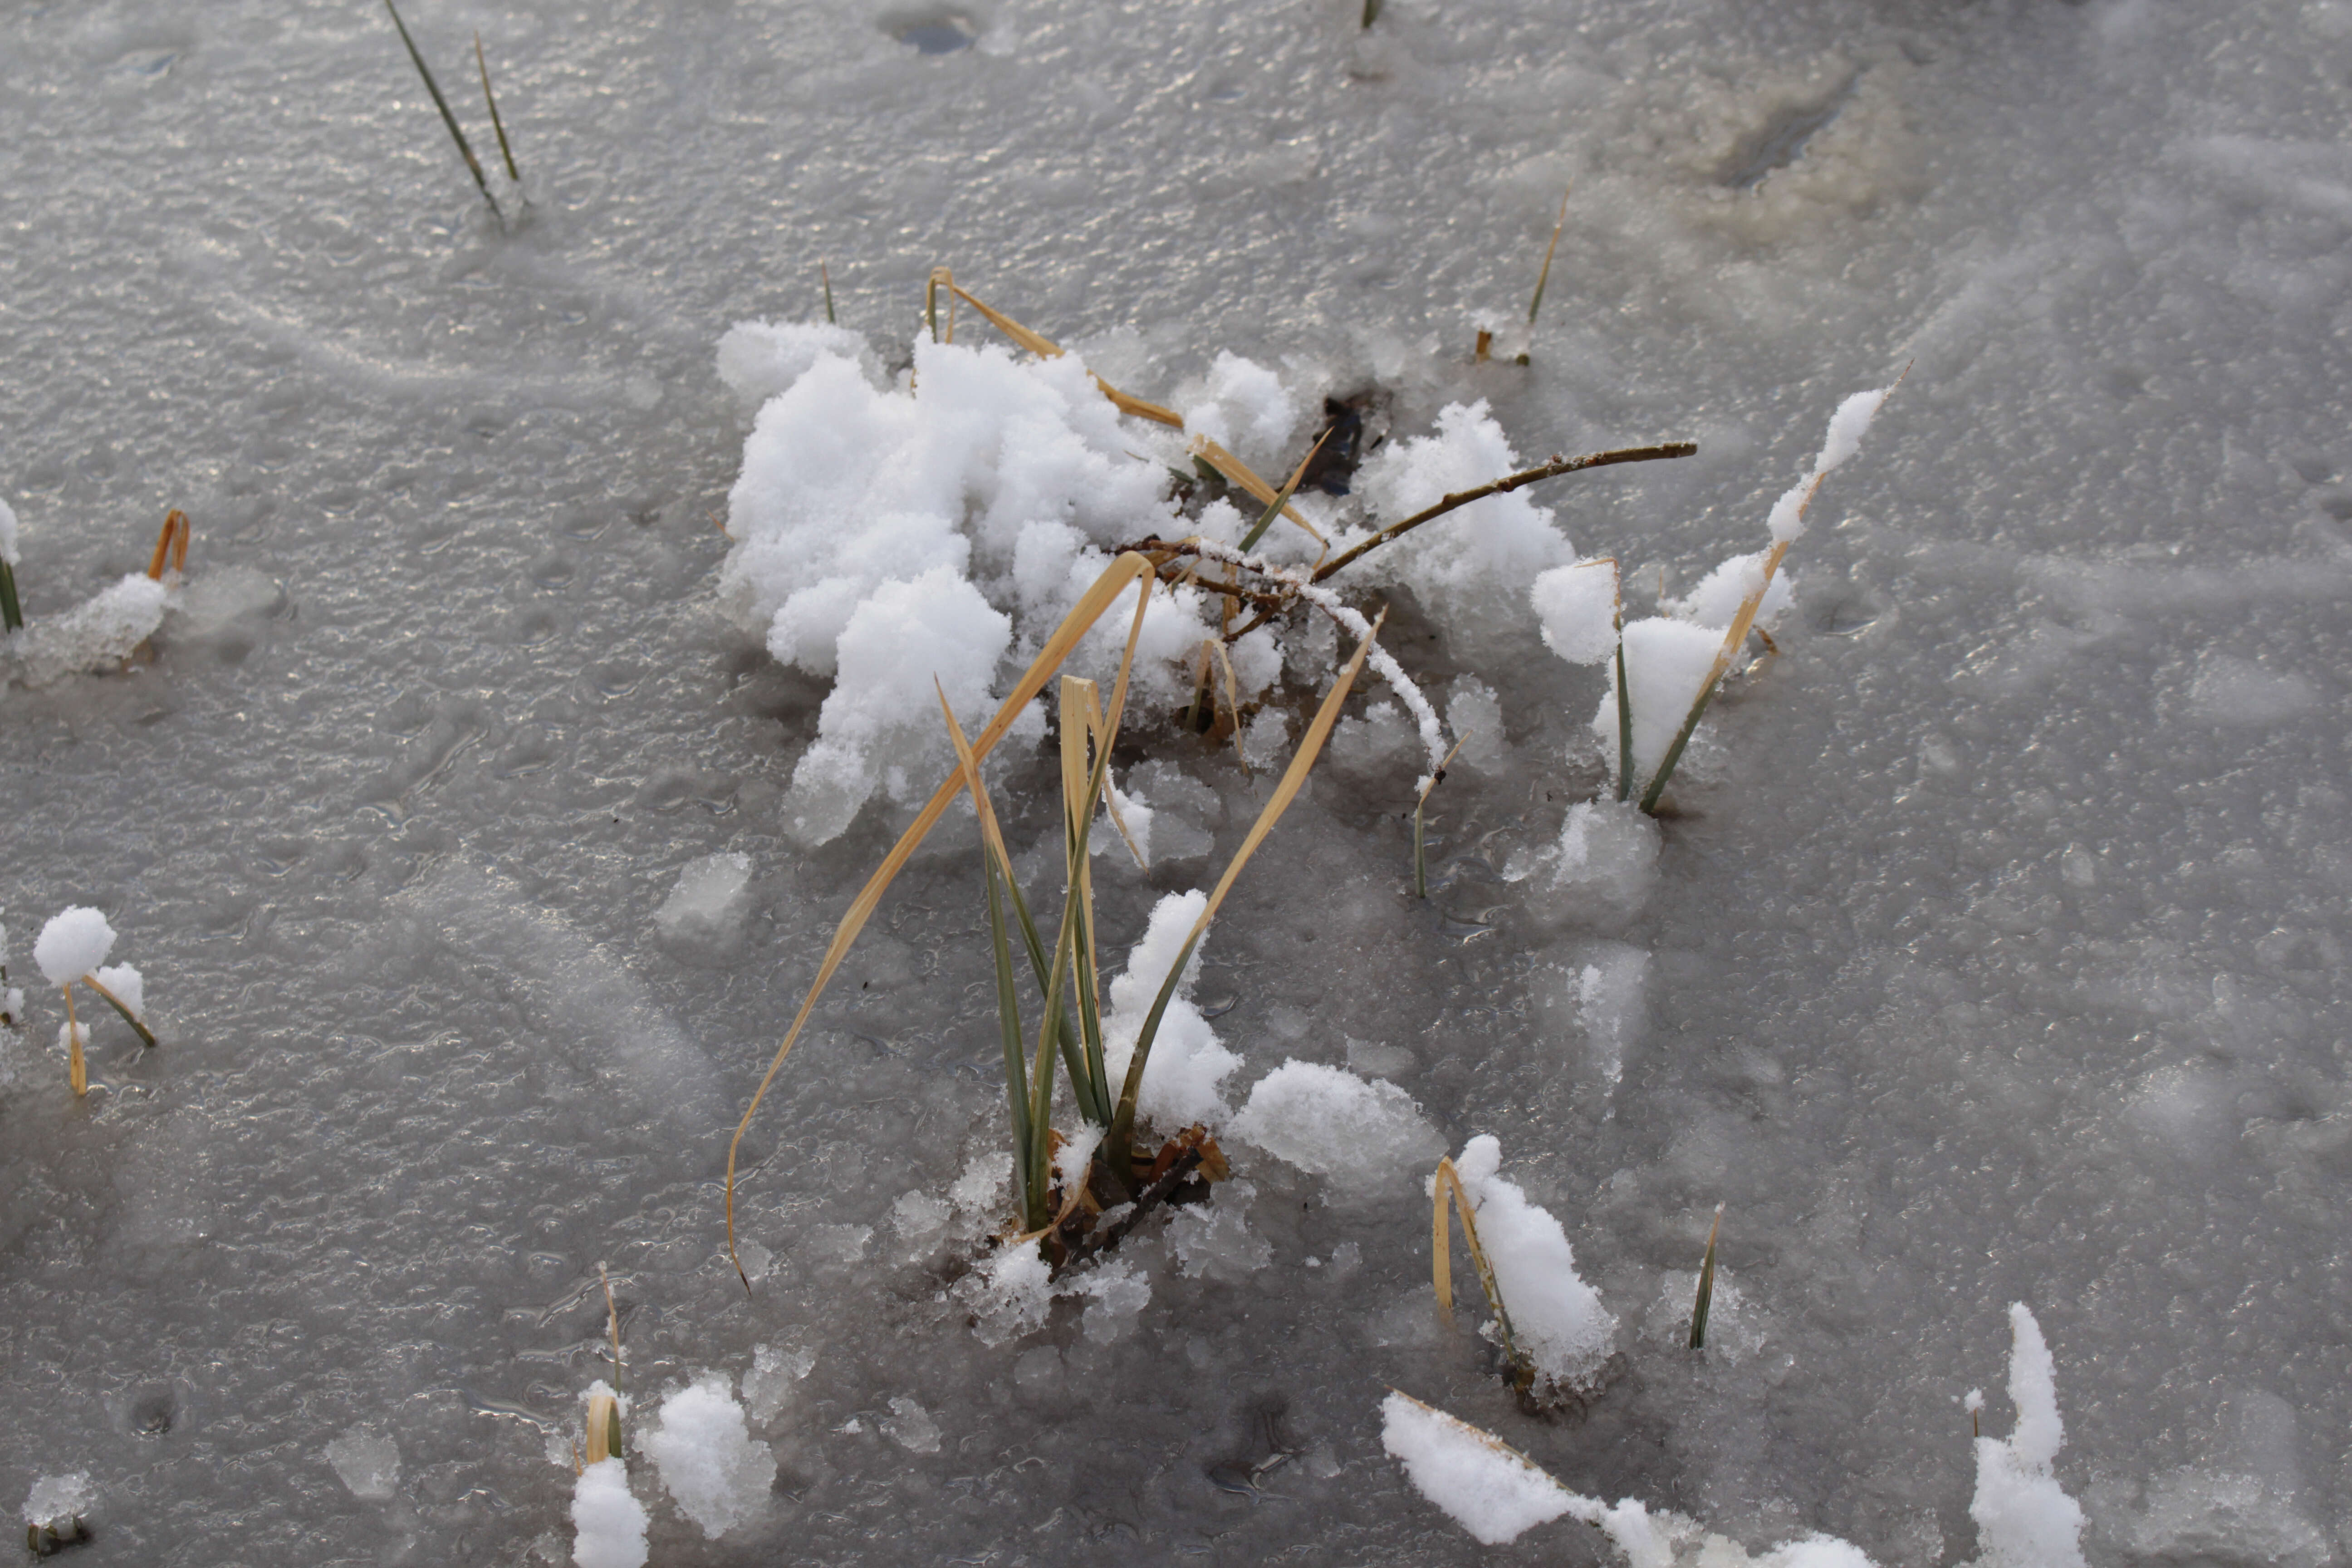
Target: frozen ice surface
(75,942)
(608,1522)
(911,1426)
(708,1459)
(368,1462)
(775,1369)
(705,909)
(2001,957)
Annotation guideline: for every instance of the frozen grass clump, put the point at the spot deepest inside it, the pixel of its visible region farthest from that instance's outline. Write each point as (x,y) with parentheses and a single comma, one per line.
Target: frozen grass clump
(607,1521)
(707,1459)
(1555,1318)
(2025,1519)
(1328,1120)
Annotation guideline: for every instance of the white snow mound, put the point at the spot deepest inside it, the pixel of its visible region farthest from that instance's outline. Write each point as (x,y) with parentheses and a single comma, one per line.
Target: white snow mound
(707,1456)
(74,942)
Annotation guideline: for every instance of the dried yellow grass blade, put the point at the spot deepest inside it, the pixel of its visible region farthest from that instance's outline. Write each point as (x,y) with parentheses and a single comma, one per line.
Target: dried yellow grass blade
(1044,347)
(170,546)
(1449,1182)
(1237,472)
(1121,575)
(604,1427)
(77,1071)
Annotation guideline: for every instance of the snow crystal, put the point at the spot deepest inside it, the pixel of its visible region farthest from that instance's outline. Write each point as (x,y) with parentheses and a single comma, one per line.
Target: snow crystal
(1576,605)
(56,1501)
(1716,601)
(1667,663)
(910,1426)
(775,1369)
(104,629)
(706,908)
(1328,1120)
(9,554)
(75,942)
(1008,1294)
(1213,1240)
(609,1523)
(1483,1487)
(1471,564)
(707,1456)
(124,983)
(1186,1061)
(1557,1319)
(2024,1519)
(367,1462)
(1245,409)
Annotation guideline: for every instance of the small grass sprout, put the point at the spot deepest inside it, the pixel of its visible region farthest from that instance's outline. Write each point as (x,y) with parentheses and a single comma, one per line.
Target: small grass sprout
(1705,1297)
(12,613)
(1542,277)
(824,278)
(449,119)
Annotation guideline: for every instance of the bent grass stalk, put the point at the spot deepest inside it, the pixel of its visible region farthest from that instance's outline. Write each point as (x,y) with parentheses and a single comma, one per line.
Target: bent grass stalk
(456,133)
(1449,1182)
(171,545)
(1122,575)
(1706,1298)
(1544,277)
(146,1036)
(1281,502)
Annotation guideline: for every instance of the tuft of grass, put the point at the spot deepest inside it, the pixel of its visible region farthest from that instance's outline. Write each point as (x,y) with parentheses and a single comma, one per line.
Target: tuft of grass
(1706,1298)
(506,150)
(1447,1184)
(457,132)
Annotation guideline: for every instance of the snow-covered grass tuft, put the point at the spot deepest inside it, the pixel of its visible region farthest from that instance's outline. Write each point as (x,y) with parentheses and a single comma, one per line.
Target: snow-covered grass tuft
(1550,1318)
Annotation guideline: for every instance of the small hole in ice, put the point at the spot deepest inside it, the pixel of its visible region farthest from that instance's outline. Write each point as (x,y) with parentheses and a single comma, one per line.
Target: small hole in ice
(937,35)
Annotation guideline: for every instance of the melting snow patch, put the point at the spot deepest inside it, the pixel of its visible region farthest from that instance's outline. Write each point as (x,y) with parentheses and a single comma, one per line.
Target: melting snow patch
(707,1458)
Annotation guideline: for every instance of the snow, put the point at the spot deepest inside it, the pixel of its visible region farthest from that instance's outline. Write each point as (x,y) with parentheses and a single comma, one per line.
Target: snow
(367,1462)
(1188,1061)
(706,907)
(2025,1519)
(1008,1292)
(104,629)
(11,552)
(708,1459)
(1328,1120)
(1576,607)
(1487,1489)
(1556,1319)
(123,981)
(1246,408)
(775,1369)
(75,942)
(1603,868)
(1847,427)
(609,1524)
(1214,1240)
(1715,603)
(1667,663)
(58,1501)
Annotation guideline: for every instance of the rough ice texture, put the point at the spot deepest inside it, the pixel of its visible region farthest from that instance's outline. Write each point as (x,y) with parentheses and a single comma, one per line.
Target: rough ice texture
(1186,1061)
(103,629)
(910,1426)
(58,1501)
(1009,1293)
(1482,1486)
(125,983)
(2025,1519)
(1716,601)
(775,1369)
(886,536)
(1667,662)
(1116,1291)
(607,1521)
(707,1456)
(1576,607)
(75,942)
(705,909)
(1612,994)
(1471,570)
(1557,1318)
(366,1461)
(1328,1120)
(1213,1240)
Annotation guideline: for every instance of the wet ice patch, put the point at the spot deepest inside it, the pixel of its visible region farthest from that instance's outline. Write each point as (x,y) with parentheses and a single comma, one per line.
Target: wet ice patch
(1213,1240)
(1601,869)
(774,1371)
(2239,693)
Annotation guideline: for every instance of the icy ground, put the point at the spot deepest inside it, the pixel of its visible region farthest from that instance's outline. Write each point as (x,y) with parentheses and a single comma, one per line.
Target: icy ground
(1997,953)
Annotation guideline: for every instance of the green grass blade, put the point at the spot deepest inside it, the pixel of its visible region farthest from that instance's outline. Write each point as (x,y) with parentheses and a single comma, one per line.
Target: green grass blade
(1706,1286)
(457,134)
(1625,719)
(1282,497)
(1667,763)
(1372,12)
(496,124)
(11,617)
(1093,1106)
(1016,1081)
(824,276)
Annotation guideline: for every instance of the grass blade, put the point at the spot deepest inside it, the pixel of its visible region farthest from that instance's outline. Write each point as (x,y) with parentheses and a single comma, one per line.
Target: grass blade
(1130,570)
(1047,348)
(1237,472)
(1706,1286)
(12,617)
(1281,503)
(1120,1142)
(146,1036)
(457,134)
(1449,1181)
(1420,803)
(1544,277)
(171,545)
(824,276)
(76,1070)
(496,124)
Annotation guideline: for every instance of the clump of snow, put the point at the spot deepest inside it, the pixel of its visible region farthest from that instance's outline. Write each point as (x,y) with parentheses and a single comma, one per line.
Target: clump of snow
(1484,1486)
(1480,557)
(123,982)
(368,1462)
(9,554)
(1557,1319)
(706,1457)
(1847,427)
(1213,1240)
(775,1369)
(1576,607)
(705,909)
(74,942)
(1715,601)
(1008,1293)
(2025,1519)
(103,629)
(1667,664)
(1186,1061)
(1245,407)
(1328,1120)
(56,1501)
(608,1522)
(757,360)
(910,1426)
